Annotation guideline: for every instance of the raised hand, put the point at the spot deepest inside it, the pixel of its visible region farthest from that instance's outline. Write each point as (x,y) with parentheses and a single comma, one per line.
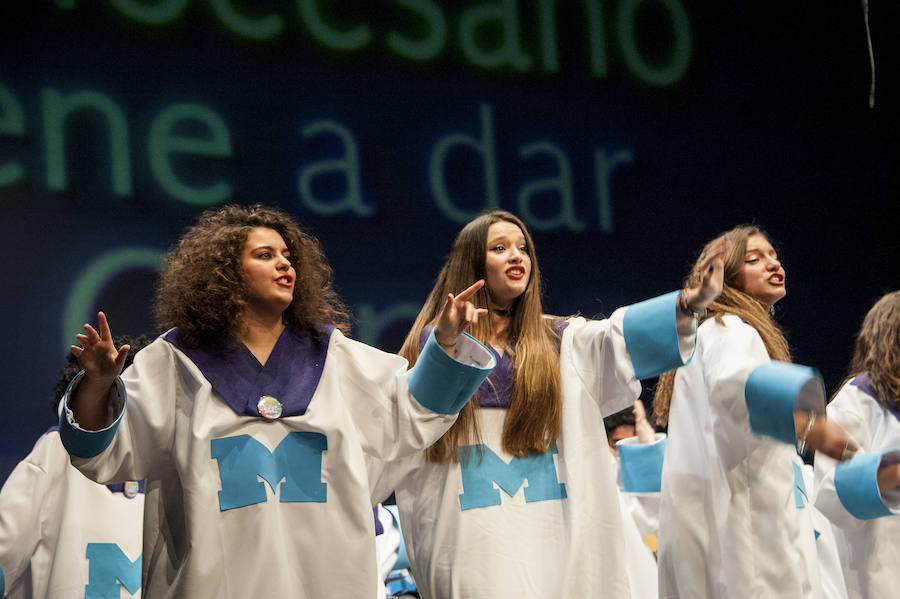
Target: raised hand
(642,428)
(97,354)
(712,277)
(102,363)
(458,313)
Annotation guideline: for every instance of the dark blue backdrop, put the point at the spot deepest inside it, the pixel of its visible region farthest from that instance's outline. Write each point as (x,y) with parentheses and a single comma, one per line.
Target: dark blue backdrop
(625,132)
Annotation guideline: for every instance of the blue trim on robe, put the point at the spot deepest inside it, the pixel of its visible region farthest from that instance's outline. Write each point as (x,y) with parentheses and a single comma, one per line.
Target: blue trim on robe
(83,443)
(640,466)
(651,335)
(399,582)
(402,558)
(291,373)
(771,393)
(441,383)
(864,384)
(856,483)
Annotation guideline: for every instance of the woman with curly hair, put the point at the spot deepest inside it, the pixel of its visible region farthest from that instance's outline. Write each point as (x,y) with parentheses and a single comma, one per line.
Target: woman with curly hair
(254,420)
(734,512)
(861,497)
(474,526)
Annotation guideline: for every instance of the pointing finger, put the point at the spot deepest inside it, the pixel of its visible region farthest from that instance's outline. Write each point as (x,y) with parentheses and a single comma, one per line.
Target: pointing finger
(103,325)
(472,290)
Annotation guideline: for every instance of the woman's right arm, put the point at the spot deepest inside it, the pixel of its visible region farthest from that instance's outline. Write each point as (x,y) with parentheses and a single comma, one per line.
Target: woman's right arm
(135,447)
(101,363)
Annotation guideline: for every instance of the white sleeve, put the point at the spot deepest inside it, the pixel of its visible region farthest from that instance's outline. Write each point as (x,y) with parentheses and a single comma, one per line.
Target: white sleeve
(24,504)
(398,411)
(137,443)
(638,341)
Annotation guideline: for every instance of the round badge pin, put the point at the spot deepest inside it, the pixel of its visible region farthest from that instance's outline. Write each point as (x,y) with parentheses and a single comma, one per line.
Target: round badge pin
(269,407)
(131,489)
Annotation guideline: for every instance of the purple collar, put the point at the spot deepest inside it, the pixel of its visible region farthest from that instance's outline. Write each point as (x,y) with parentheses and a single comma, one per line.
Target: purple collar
(496,390)
(865,385)
(291,374)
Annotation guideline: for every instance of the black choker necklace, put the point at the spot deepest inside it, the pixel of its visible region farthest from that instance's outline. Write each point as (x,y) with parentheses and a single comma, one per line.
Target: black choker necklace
(500,312)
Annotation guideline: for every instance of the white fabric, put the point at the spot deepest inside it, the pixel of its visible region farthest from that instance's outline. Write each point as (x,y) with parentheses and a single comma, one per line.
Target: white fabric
(729,525)
(869,549)
(641,562)
(833,585)
(554,548)
(49,512)
(192,548)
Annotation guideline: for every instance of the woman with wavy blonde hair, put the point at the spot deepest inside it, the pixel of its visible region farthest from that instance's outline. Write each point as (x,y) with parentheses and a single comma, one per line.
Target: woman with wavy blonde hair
(734,518)
(861,497)
(519,498)
(255,382)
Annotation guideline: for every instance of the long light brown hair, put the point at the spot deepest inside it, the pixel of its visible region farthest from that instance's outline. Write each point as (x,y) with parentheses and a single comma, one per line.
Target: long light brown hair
(203,291)
(534,418)
(877,349)
(733,300)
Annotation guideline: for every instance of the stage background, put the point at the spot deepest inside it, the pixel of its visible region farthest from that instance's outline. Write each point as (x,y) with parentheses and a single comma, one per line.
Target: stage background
(625,132)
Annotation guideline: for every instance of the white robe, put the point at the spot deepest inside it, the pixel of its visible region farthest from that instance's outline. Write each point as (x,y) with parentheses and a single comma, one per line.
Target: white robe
(548,525)
(52,518)
(734,517)
(870,547)
(240,506)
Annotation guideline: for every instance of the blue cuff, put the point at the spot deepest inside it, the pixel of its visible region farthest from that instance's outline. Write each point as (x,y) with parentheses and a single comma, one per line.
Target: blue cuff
(443,384)
(79,442)
(402,558)
(640,466)
(856,483)
(400,583)
(651,335)
(773,392)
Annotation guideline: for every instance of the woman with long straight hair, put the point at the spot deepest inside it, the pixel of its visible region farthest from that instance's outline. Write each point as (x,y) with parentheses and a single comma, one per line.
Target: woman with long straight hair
(861,497)
(734,512)
(519,498)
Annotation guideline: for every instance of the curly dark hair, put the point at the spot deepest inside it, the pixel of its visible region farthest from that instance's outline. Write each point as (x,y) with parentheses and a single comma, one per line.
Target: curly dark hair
(72,368)
(202,289)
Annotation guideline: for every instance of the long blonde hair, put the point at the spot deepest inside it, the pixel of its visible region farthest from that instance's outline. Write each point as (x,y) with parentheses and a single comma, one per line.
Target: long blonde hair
(733,300)
(533,420)
(877,350)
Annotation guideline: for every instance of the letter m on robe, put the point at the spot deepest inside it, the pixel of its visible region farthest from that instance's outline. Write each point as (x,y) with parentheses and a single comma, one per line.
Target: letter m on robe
(297,461)
(110,569)
(481,468)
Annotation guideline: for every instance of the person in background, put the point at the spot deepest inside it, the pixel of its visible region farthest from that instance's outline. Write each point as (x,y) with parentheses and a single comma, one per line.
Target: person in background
(637,452)
(861,497)
(734,518)
(253,417)
(393,563)
(62,535)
